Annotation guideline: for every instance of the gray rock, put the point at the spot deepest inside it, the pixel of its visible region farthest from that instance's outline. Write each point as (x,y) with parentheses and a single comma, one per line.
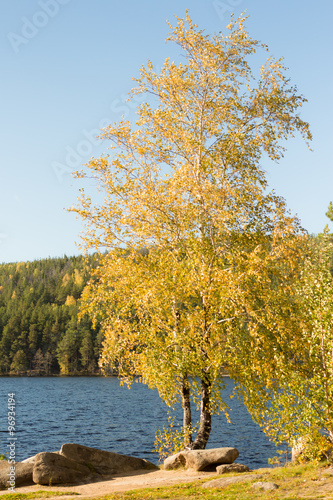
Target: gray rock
(52,468)
(201,459)
(32,459)
(175,461)
(223,482)
(104,462)
(264,486)
(22,473)
(29,460)
(223,469)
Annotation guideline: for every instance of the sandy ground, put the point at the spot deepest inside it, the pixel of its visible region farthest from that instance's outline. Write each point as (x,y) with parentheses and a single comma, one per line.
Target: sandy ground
(317,487)
(140,479)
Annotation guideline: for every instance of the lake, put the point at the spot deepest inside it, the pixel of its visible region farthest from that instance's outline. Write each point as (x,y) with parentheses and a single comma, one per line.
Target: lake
(98,412)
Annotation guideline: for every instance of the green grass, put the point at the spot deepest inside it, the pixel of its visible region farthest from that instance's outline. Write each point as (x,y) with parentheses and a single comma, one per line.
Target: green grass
(35,494)
(295,482)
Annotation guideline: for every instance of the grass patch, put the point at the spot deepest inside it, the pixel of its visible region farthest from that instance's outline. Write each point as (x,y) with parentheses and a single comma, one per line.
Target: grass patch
(297,482)
(294,483)
(35,494)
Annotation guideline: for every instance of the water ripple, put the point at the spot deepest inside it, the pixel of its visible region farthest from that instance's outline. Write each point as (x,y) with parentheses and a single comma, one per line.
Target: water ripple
(98,412)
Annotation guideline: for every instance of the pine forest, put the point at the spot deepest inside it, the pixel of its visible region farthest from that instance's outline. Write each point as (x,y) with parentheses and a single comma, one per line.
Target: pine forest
(40,333)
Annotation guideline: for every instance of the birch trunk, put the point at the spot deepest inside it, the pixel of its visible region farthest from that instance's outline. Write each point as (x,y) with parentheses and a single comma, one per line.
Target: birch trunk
(202,436)
(187,416)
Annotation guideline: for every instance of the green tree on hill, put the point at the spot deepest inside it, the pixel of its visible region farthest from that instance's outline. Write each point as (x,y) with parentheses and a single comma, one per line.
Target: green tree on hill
(19,363)
(38,301)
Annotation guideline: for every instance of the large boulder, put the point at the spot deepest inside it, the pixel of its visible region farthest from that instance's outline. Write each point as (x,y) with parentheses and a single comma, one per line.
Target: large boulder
(201,459)
(52,468)
(29,460)
(73,464)
(33,458)
(21,472)
(104,462)
(176,461)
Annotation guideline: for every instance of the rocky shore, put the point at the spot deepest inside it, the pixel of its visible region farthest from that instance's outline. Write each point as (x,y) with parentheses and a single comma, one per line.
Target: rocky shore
(76,464)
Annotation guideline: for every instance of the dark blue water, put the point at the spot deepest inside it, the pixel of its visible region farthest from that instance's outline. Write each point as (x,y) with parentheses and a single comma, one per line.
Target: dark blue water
(98,412)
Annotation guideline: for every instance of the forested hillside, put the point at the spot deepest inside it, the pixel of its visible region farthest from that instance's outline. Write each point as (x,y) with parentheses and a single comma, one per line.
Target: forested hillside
(39,329)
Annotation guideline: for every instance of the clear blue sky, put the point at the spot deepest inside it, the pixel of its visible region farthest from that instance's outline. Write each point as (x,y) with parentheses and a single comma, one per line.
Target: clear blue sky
(66,67)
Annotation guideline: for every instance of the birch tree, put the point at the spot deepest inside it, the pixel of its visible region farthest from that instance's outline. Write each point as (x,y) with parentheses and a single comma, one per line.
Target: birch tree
(294,398)
(187,220)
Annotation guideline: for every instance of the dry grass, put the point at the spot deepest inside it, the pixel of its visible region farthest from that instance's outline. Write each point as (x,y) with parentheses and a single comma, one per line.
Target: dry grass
(294,482)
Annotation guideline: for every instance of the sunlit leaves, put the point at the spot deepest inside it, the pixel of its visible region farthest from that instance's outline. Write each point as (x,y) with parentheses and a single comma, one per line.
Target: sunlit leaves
(200,257)
(298,401)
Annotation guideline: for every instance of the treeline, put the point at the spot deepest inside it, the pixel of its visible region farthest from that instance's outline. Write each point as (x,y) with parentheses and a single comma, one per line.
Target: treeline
(39,329)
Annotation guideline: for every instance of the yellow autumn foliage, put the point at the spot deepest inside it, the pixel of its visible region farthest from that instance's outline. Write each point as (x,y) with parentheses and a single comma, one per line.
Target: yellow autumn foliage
(70,301)
(200,256)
